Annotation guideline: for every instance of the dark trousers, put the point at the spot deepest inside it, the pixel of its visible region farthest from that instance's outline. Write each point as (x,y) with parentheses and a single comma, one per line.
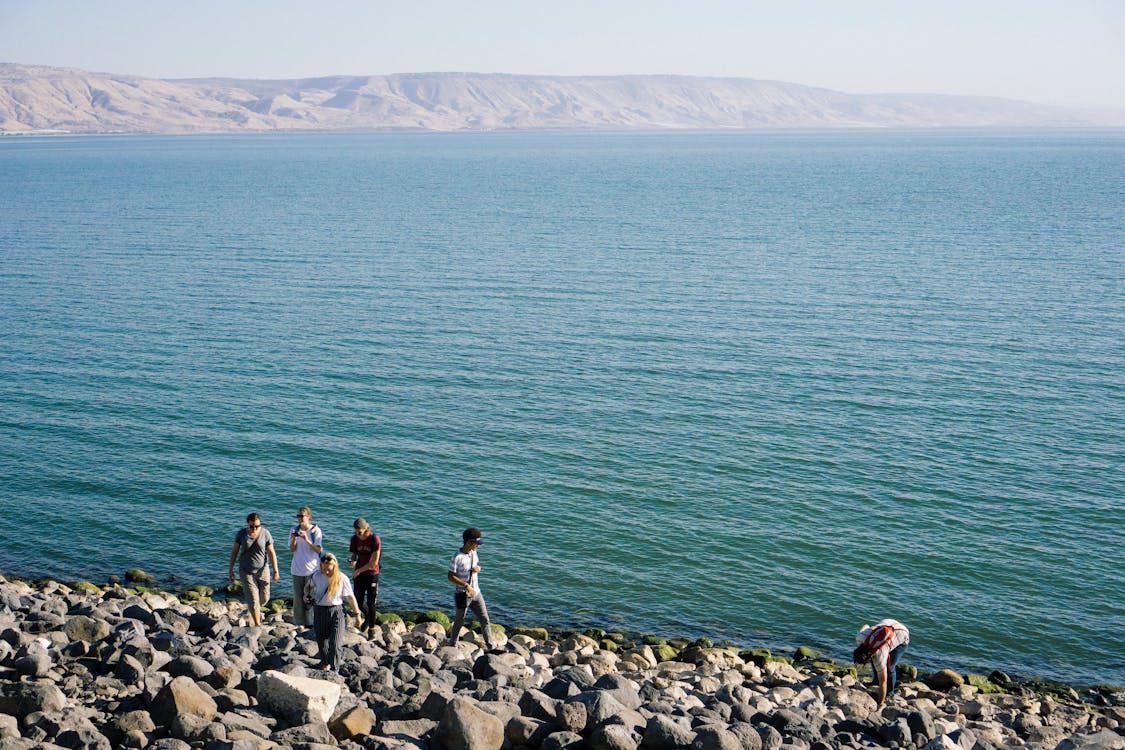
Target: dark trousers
(366,594)
(328,627)
(892,662)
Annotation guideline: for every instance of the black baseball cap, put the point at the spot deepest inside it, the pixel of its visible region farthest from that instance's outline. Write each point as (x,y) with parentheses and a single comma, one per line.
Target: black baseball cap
(471,535)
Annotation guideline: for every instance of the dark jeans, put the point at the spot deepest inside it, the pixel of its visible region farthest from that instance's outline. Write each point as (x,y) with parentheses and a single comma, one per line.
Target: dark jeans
(892,662)
(366,594)
(328,627)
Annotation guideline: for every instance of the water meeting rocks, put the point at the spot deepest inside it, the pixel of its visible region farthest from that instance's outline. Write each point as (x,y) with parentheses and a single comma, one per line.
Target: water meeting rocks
(130,668)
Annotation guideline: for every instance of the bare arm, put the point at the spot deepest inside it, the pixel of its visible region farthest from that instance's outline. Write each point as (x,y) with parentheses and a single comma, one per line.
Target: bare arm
(458,582)
(273,559)
(233,557)
(882,677)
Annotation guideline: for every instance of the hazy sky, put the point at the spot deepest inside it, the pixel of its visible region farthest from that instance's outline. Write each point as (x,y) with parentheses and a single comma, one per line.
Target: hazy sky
(1064,51)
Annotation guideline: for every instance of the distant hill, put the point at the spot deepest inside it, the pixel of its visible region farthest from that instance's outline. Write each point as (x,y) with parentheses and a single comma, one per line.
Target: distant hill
(37,98)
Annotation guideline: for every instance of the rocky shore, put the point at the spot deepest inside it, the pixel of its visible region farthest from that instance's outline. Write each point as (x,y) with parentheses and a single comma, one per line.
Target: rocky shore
(98,667)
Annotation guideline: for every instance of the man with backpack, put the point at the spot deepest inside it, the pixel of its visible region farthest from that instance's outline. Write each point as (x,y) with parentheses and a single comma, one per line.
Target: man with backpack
(882,645)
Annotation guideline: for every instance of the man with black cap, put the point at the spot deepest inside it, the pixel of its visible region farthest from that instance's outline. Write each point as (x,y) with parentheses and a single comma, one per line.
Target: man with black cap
(463,570)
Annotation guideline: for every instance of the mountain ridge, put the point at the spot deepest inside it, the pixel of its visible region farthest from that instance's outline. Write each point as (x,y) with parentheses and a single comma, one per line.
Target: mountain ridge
(36,98)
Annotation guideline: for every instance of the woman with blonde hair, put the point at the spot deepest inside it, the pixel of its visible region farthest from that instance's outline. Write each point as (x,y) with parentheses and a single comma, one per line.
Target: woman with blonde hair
(329,589)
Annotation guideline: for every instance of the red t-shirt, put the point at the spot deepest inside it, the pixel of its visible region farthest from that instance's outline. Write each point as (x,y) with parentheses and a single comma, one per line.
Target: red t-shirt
(363,550)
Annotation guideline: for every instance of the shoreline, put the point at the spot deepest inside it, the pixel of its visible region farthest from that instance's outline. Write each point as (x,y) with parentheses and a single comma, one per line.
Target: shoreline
(83,666)
(1080,691)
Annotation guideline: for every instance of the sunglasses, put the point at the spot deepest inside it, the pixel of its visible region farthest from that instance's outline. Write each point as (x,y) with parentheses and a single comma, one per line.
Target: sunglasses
(254,525)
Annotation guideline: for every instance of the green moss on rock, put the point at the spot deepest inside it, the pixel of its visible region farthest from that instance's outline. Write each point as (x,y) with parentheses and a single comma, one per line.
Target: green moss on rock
(679,643)
(384,617)
(85,587)
(665,652)
(652,640)
(837,669)
(607,644)
(435,616)
(538,634)
(806,653)
(136,575)
(757,656)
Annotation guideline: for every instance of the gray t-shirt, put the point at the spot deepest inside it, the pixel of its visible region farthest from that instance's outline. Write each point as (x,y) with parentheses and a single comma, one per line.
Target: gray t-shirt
(252,558)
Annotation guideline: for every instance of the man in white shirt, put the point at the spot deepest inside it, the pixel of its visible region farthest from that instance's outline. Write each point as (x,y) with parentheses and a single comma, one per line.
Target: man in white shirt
(463,570)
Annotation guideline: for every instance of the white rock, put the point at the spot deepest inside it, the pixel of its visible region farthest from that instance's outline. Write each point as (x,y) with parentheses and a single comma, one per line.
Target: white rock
(942,742)
(299,700)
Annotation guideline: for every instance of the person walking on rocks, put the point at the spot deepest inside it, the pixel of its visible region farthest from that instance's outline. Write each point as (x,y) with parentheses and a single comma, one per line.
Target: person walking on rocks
(305,542)
(365,549)
(253,548)
(329,589)
(463,572)
(882,645)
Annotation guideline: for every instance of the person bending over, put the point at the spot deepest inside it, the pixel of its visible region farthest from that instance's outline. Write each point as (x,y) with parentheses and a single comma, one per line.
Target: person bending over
(882,645)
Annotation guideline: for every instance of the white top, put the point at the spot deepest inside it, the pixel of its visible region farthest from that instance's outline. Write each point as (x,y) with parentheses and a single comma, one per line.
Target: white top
(882,654)
(320,588)
(306,561)
(462,566)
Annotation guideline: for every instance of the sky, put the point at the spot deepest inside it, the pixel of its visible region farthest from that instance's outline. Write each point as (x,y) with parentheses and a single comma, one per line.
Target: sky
(1069,52)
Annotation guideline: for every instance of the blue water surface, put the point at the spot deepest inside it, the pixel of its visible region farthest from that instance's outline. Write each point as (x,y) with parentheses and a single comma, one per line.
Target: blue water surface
(760,385)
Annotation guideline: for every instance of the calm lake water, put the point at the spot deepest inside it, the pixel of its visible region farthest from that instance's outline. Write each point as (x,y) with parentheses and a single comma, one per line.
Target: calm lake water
(760,385)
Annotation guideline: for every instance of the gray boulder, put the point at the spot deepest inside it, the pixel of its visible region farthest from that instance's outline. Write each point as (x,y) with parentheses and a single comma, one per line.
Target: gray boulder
(600,706)
(190,666)
(714,737)
(129,670)
(523,731)
(562,741)
(771,738)
(22,698)
(664,733)
(921,726)
(312,732)
(621,688)
(747,735)
(612,736)
(87,629)
(35,664)
(463,726)
(538,705)
(897,731)
(572,717)
(182,696)
(83,738)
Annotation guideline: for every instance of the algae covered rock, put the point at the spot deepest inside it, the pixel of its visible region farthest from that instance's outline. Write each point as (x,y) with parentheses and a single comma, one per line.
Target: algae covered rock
(944,680)
(807,653)
(539,634)
(982,683)
(757,656)
(435,616)
(85,587)
(136,575)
